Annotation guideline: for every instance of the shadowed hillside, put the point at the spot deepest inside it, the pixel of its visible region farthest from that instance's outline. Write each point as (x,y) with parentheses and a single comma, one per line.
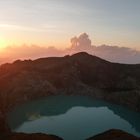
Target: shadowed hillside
(81,72)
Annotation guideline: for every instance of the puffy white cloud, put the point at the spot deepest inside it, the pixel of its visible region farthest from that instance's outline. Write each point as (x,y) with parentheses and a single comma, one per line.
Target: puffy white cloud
(81,43)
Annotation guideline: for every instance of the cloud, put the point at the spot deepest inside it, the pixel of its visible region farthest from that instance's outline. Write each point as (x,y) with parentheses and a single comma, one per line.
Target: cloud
(29,52)
(42,28)
(118,54)
(110,53)
(78,44)
(81,43)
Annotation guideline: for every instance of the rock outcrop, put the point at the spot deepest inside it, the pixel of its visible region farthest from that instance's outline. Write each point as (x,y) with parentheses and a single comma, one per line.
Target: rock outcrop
(37,136)
(114,135)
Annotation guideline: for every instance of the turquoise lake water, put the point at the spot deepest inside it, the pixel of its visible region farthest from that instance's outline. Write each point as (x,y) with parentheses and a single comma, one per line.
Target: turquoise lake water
(72,117)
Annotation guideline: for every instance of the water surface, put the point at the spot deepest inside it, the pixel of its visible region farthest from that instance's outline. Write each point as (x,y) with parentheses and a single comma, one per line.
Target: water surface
(72,117)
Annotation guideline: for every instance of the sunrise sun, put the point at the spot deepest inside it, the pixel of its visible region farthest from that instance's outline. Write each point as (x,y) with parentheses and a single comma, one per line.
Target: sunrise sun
(2,42)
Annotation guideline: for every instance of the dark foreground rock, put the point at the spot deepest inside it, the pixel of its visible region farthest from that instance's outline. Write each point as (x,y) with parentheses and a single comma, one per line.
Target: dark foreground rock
(22,136)
(114,135)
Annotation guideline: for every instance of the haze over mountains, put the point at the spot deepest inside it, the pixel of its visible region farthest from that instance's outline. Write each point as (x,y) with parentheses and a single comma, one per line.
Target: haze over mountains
(78,44)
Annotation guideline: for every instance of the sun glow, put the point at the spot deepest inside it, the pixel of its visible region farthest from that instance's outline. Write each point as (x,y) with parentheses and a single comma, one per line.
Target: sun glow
(2,42)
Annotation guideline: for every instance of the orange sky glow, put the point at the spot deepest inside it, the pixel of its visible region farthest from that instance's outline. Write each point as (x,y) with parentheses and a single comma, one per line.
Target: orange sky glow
(30,25)
(53,23)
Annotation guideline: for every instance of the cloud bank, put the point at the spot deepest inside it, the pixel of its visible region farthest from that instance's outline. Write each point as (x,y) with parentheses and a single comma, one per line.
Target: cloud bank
(78,44)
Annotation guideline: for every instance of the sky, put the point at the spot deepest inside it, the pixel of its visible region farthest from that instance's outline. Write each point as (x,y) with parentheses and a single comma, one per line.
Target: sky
(54,22)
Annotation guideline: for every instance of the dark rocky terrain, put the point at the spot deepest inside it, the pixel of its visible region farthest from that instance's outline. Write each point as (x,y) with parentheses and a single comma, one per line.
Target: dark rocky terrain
(23,136)
(37,136)
(114,135)
(80,73)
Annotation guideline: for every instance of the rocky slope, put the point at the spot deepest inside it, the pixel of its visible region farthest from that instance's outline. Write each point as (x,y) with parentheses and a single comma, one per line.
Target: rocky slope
(114,135)
(83,73)
(80,73)
(37,136)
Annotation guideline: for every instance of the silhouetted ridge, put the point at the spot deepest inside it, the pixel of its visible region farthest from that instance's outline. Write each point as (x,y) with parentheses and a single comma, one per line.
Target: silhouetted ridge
(85,55)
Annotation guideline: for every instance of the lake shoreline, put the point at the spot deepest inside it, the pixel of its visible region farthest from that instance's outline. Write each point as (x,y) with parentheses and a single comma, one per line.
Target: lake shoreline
(74,100)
